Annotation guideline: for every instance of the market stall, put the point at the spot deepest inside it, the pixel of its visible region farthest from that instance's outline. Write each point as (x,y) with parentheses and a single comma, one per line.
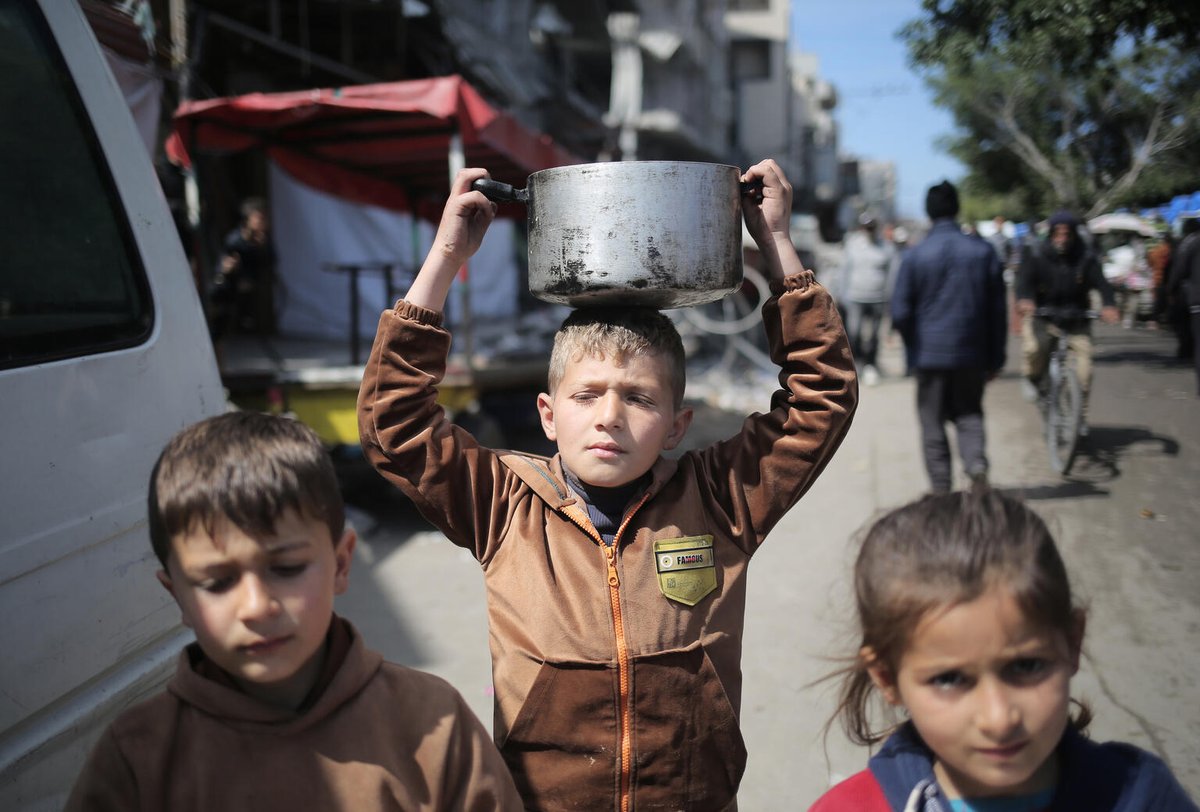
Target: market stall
(362,174)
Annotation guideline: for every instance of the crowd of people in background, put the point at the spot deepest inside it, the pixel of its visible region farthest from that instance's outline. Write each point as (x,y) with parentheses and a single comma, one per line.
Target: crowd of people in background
(1140,280)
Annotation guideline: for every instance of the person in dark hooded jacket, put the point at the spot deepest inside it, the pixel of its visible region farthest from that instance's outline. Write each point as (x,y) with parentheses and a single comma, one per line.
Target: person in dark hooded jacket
(1060,272)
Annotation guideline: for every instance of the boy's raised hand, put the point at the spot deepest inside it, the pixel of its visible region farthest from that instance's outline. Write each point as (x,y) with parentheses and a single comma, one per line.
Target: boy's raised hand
(465,220)
(769,217)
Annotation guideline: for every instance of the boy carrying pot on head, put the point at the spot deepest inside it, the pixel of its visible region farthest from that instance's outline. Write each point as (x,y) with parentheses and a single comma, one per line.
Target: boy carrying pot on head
(615,577)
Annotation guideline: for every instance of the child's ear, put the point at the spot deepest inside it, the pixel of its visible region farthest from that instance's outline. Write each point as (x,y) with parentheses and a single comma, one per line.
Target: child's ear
(343,554)
(545,407)
(164,578)
(881,675)
(683,419)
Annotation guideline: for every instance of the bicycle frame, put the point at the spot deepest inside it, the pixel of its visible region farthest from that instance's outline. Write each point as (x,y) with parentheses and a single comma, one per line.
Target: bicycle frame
(1062,404)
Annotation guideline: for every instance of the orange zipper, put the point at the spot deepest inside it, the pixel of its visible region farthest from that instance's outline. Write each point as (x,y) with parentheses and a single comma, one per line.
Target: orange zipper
(614,596)
(623,680)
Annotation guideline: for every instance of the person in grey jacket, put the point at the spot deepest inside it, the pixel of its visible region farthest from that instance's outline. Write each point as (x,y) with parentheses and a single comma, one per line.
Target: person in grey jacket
(949,305)
(864,291)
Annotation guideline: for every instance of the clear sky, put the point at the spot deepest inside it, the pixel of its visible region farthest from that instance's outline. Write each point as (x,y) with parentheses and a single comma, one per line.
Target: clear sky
(885,112)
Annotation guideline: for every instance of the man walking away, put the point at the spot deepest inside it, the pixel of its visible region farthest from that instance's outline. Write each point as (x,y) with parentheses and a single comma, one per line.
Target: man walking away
(949,306)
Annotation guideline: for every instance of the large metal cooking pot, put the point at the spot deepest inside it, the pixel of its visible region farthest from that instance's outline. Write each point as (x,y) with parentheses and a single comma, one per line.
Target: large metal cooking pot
(658,233)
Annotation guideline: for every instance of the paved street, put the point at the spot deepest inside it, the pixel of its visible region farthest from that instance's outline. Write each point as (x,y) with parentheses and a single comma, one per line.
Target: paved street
(1126,520)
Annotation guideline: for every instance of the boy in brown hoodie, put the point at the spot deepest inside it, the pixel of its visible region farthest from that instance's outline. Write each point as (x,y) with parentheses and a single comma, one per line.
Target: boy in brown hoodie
(615,576)
(278,705)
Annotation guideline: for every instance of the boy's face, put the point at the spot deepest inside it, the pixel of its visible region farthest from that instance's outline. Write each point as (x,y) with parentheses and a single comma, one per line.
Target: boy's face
(261,606)
(612,420)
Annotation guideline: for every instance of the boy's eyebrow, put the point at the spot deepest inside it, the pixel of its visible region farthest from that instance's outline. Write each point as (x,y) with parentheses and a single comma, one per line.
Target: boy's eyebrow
(605,383)
(224,563)
(213,568)
(286,546)
(204,568)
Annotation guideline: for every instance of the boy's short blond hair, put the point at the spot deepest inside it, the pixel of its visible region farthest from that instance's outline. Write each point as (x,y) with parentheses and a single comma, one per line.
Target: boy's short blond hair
(619,333)
(247,467)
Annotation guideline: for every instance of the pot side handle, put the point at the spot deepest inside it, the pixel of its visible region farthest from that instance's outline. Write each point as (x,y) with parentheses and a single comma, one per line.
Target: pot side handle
(500,192)
(752,189)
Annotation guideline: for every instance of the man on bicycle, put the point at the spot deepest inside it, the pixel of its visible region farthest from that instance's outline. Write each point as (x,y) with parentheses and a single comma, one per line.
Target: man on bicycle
(1060,273)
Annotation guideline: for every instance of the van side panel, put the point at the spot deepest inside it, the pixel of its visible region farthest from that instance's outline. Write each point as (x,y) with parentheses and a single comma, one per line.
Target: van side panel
(87,629)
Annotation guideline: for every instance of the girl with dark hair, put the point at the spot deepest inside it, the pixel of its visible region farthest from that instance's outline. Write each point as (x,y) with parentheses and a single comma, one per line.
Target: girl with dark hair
(969,628)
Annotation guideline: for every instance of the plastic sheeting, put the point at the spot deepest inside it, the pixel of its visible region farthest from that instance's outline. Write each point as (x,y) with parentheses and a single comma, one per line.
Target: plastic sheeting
(142,88)
(313,230)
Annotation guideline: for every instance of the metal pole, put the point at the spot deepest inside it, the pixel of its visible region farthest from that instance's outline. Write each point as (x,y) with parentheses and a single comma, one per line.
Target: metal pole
(178,26)
(458,161)
(353,270)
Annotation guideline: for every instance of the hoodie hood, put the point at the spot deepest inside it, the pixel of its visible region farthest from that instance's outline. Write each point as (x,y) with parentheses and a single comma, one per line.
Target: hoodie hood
(904,770)
(1063,218)
(1115,777)
(1109,777)
(350,667)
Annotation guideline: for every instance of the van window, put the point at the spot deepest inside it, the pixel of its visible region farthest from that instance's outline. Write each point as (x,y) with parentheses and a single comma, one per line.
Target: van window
(71,281)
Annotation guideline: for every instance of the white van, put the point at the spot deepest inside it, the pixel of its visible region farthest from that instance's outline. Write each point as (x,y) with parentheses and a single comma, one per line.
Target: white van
(104,354)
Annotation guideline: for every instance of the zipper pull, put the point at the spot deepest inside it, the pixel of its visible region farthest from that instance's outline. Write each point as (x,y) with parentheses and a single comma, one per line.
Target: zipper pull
(610,553)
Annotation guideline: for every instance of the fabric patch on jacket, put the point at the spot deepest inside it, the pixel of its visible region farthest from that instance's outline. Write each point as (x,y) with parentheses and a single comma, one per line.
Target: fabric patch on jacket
(686,568)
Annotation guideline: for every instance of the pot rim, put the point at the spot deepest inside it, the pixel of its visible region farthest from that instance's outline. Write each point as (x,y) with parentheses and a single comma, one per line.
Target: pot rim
(630,166)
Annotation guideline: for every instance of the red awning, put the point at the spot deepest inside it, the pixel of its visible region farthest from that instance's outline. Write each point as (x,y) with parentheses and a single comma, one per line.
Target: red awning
(383,144)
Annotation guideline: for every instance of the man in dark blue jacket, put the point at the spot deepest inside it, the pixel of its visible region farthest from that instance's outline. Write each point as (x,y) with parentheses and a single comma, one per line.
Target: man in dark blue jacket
(949,305)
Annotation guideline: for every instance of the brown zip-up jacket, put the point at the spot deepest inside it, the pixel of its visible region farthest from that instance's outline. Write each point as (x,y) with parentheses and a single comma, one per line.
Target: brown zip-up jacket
(617,670)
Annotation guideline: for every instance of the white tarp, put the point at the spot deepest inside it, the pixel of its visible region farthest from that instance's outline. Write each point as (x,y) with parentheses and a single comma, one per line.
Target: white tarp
(312,229)
(1121,221)
(142,89)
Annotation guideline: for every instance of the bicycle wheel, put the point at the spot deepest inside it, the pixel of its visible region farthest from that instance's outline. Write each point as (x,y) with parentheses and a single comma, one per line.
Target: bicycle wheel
(1064,410)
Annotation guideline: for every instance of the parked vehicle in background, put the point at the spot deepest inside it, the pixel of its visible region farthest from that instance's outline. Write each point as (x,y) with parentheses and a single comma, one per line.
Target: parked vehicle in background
(104,354)
(1120,241)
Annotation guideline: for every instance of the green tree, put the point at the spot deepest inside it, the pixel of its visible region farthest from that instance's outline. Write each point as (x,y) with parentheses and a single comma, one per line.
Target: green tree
(1089,104)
